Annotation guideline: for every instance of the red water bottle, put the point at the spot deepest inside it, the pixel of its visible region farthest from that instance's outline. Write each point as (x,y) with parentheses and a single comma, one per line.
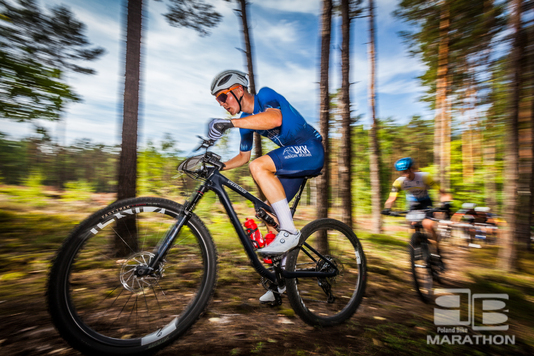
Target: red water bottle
(268,239)
(254,233)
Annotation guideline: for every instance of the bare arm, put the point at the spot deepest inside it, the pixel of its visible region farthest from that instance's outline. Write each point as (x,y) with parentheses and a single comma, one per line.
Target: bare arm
(239,160)
(390,201)
(269,119)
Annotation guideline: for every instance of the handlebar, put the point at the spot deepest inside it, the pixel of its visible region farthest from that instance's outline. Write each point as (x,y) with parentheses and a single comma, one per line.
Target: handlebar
(416,215)
(202,166)
(397,213)
(388,212)
(205,143)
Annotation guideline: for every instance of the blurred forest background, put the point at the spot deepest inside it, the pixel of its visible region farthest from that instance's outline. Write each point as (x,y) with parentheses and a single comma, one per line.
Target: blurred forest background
(479,79)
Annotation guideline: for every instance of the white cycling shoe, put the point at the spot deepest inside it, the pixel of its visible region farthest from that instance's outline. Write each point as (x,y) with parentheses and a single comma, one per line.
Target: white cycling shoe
(282,243)
(268,297)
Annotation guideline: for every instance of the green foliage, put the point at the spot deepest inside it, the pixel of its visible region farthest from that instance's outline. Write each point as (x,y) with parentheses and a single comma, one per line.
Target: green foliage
(469,34)
(13,160)
(361,187)
(35,50)
(157,168)
(33,182)
(194,14)
(94,163)
(79,190)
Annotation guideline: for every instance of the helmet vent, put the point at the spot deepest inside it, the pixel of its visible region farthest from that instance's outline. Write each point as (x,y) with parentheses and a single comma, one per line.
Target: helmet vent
(224,80)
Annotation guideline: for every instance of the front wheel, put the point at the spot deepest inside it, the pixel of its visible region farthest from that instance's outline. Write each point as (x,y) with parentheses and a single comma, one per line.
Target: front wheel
(422,270)
(327,245)
(102,297)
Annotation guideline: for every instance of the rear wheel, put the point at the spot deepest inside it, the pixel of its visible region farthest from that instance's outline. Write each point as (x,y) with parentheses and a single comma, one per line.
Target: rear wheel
(332,300)
(107,302)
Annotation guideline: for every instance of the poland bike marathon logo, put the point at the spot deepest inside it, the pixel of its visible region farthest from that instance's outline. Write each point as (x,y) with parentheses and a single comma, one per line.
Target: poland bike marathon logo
(459,311)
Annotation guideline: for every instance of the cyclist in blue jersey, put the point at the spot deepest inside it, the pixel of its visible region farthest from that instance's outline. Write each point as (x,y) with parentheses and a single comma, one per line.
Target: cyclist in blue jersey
(280,172)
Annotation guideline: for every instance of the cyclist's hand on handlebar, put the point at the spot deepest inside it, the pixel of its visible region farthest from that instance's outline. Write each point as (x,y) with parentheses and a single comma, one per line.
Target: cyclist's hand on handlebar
(386,211)
(217,127)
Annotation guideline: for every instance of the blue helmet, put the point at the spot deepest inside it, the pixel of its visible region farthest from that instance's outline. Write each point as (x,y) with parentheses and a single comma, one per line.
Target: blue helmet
(404,164)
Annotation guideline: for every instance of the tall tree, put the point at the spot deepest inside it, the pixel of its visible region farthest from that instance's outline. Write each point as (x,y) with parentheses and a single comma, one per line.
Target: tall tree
(247,39)
(530,217)
(127,182)
(346,147)
(442,135)
(323,183)
(349,9)
(508,254)
(193,14)
(374,159)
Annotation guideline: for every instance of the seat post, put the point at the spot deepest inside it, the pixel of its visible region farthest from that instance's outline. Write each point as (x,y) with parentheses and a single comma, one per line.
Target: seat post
(297,197)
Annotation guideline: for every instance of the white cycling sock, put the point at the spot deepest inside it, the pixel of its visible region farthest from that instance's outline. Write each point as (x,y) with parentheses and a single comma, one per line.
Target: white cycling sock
(285,219)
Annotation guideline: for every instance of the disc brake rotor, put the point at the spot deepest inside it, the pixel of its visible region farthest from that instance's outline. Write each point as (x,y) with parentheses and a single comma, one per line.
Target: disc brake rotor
(134,276)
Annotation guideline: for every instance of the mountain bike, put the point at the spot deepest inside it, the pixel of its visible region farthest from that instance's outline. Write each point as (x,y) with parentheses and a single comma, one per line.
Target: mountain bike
(426,262)
(140,302)
(475,225)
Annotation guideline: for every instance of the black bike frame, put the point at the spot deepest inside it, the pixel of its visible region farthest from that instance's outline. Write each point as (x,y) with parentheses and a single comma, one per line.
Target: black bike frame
(216,182)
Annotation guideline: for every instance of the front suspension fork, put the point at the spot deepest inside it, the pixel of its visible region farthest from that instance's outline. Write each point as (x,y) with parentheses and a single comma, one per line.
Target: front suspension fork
(181,220)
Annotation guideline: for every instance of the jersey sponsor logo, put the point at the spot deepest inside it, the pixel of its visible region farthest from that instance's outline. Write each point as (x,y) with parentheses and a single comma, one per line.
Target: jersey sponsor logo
(297,151)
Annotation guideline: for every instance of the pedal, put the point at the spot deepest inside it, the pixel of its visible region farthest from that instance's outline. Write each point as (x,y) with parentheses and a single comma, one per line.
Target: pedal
(278,258)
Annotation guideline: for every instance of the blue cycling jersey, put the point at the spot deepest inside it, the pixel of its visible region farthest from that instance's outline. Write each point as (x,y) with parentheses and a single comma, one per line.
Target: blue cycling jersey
(294,129)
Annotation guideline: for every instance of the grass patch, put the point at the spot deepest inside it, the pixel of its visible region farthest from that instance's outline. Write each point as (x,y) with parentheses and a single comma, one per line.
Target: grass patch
(12,276)
(386,241)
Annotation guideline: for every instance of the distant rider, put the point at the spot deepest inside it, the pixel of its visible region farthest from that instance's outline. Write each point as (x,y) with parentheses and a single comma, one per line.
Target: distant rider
(416,185)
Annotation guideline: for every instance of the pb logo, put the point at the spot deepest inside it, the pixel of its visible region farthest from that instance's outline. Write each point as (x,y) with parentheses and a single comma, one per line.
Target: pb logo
(459,307)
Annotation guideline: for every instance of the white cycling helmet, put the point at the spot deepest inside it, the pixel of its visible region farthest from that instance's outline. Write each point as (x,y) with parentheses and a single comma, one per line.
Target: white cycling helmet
(226,79)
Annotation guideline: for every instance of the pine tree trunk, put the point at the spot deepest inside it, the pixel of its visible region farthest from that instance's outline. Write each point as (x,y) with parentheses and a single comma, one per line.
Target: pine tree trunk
(524,184)
(346,147)
(442,133)
(128,157)
(323,181)
(258,151)
(488,140)
(507,253)
(526,170)
(468,135)
(531,188)
(490,185)
(374,159)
